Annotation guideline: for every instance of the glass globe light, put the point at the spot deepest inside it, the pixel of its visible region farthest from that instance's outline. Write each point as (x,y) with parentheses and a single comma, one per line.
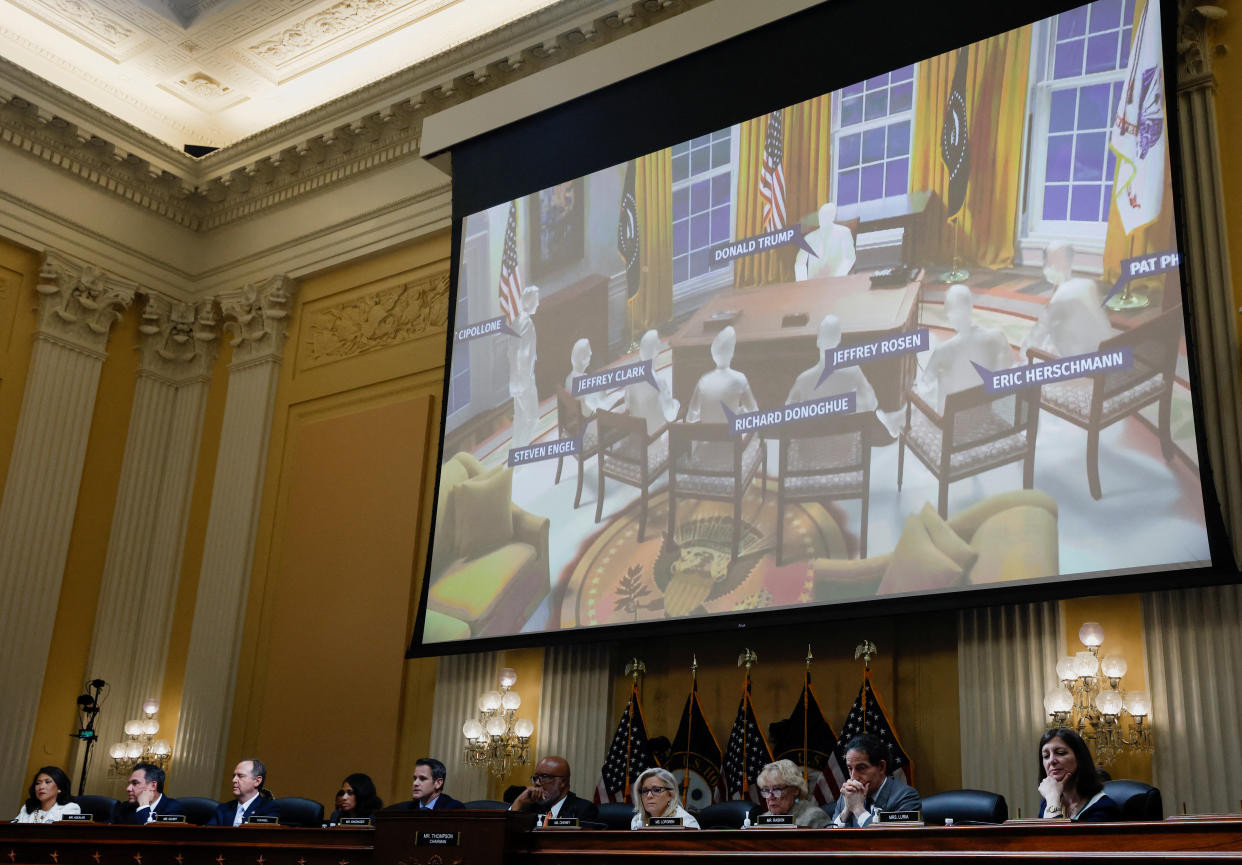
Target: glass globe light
(523,728)
(1091,635)
(1086,664)
(133,751)
(1138,703)
(161,748)
(1108,702)
(510,700)
(490,701)
(150,727)
(1113,666)
(133,728)
(150,707)
(472,730)
(1058,699)
(117,751)
(1066,668)
(508,677)
(495,726)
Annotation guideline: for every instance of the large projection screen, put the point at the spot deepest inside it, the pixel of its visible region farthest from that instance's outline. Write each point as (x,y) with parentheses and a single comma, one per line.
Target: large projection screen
(919,333)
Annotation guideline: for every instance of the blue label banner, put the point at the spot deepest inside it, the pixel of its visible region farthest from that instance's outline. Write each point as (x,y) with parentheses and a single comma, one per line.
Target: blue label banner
(769,240)
(544,451)
(1061,369)
(616,376)
(484,328)
(1144,265)
(840,403)
(854,355)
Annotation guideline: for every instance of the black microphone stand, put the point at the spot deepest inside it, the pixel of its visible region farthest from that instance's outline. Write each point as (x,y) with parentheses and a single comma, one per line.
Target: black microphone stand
(88,711)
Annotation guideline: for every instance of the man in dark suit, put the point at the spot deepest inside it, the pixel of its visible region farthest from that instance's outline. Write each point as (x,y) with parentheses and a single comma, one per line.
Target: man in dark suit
(146,797)
(427,788)
(549,793)
(249,797)
(869,789)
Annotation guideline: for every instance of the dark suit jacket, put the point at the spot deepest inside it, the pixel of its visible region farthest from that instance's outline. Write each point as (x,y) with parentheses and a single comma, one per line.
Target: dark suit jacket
(1102,810)
(444,802)
(893,796)
(260,806)
(127,812)
(576,806)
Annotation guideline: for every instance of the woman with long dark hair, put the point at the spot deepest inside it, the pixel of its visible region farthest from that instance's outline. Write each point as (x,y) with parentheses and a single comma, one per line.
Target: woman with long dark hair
(49,798)
(357,797)
(1068,782)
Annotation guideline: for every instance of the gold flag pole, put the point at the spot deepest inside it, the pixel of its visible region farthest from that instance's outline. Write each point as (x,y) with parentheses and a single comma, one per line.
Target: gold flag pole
(806,693)
(694,686)
(865,650)
(636,669)
(746,659)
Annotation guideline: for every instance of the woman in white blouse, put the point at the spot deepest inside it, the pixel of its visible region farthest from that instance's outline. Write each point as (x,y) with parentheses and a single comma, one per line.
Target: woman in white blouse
(655,795)
(49,798)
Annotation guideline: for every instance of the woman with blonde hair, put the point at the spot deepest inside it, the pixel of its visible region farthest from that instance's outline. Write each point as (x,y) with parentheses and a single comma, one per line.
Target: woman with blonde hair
(784,792)
(655,795)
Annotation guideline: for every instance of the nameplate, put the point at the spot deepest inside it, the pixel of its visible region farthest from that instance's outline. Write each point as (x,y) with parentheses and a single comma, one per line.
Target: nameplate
(900,817)
(436,839)
(169,818)
(561,823)
(770,820)
(77,818)
(353,821)
(665,822)
(262,820)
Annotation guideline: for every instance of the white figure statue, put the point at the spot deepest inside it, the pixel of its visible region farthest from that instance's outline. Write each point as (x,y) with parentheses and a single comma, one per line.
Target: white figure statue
(833,245)
(950,368)
(656,405)
(522,355)
(1074,321)
(579,360)
(723,386)
(848,378)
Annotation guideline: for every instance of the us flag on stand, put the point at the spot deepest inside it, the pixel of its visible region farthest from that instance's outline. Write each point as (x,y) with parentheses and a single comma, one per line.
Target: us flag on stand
(867,715)
(747,752)
(772,176)
(629,755)
(806,738)
(510,279)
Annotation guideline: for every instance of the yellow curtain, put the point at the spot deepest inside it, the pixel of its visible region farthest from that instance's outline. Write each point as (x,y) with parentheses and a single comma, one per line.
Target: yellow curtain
(996,85)
(652,305)
(1157,236)
(808,173)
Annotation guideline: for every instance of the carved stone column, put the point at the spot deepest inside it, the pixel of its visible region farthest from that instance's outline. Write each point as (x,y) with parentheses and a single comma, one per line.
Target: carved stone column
(256,318)
(77,307)
(1207,264)
(141,572)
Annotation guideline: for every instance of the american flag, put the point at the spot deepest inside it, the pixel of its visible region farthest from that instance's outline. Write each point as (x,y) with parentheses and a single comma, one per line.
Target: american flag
(772,177)
(747,752)
(510,279)
(806,738)
(867,715)
(628,755)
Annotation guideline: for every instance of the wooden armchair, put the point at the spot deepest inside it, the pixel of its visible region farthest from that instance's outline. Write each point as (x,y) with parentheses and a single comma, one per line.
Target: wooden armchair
(569,423)
(707,461)
(1098,401)
(978,431)
(628,453)
(824,459)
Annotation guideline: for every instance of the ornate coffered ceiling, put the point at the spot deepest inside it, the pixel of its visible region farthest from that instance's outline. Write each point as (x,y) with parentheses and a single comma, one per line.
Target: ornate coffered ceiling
(213,72)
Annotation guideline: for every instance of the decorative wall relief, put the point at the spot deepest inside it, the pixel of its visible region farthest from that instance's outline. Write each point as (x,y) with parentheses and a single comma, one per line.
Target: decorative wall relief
(379,319)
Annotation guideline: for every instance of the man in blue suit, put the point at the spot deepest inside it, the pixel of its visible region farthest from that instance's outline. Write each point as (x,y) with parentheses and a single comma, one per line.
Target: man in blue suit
(249,797)
(427,788)
(146,797)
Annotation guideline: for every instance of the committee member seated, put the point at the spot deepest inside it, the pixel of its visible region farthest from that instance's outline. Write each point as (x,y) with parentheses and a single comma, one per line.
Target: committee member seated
(356,798)
(250,799)
(48,798)
(784,792)
(655,795)
(145,797)
(427,788)
(833,245)
(722,387)
(1068,782)
(869,788)
(951,366)
(549,793)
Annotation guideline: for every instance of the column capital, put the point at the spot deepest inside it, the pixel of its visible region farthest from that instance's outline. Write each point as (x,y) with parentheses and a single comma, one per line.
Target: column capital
(257,319)
(181,338)
(1196,43)
(79,303)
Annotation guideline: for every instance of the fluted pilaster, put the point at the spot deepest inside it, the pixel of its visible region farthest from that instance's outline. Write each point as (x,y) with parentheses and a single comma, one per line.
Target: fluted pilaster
(256,320)
(77,307)
(1207,265)
(460,679)
(575,711)
(138,591)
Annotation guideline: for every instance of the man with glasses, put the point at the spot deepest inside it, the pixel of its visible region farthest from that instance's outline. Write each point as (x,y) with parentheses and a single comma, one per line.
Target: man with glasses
(549,794)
